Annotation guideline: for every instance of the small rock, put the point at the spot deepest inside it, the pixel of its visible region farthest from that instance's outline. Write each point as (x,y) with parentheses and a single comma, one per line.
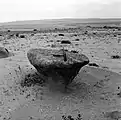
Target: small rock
(22,36)
(70,117)
(77,39)
(64,117)
(17,34)
(115,57)
(93,64)
(65,42)
(8,30)
(119,94)
(35,30)
(74,51)
(61,34)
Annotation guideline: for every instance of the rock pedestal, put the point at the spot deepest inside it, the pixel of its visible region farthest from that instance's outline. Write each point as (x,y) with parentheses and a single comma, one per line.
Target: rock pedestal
(60,65)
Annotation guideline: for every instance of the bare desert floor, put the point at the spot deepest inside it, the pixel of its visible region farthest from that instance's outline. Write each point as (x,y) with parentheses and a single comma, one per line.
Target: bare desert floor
(95,91)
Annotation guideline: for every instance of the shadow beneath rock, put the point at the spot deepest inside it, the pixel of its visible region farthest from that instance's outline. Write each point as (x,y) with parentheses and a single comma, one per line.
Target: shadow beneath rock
(32,80)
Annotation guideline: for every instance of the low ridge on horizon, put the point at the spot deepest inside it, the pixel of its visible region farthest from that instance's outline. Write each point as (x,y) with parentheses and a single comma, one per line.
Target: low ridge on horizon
(43,21)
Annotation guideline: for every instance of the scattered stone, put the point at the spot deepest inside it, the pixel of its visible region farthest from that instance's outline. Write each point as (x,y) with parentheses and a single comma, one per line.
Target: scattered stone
(115,57)
(88,26)
(57,64)
(93,64)
(74,51)
(119,40)
(4,52)
(76,44)
(22,36)
(35,30)
(119,94)
(77,39)
(65,42)
(53,45)
(105,67)
(8,30)
(70,117)
(79,117)
(17,34)
(64,117)
(61,34)
(51,40)
(58,40)
(75,35)
(94,33)
(32,34)
(12,35)
(86,32)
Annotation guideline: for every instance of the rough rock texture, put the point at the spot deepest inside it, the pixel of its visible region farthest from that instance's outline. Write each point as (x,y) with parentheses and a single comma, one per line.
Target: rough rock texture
(60,65)
(4,52)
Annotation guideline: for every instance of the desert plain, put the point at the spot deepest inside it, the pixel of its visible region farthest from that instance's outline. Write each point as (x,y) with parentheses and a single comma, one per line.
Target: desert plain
(95,93)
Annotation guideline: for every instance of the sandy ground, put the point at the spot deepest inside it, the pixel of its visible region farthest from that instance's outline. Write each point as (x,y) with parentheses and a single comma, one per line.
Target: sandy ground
(92,93)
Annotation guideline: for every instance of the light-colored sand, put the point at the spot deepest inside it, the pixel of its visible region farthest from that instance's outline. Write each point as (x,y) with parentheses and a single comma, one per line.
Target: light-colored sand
(93,91)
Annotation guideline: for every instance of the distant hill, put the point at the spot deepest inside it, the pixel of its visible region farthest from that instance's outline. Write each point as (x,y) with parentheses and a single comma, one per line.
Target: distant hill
(57,22)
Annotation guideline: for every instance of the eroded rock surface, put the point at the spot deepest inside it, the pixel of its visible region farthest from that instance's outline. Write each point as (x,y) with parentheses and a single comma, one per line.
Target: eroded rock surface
(59,65)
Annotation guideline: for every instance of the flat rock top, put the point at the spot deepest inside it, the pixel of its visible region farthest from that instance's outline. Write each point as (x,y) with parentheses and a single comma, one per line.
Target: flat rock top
(57,55)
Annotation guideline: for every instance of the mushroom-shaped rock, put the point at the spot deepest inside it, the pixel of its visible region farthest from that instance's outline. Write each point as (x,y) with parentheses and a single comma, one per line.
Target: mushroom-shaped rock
(60,65)
(4,52)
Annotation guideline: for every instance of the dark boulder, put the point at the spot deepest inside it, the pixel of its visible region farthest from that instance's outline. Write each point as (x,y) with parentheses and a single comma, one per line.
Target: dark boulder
(35,30)
(93,64)
(22,36)
(60,65)
(17,34)
(9,31)
(115,57)
(74,51)
(77,39)
(65,42)
(61,34)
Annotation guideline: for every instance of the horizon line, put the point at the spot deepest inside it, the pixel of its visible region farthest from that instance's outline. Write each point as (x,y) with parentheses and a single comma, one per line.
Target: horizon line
(59,19)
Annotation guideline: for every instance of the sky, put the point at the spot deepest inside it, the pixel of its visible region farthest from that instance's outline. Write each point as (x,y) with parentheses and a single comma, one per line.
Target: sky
(17,10)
